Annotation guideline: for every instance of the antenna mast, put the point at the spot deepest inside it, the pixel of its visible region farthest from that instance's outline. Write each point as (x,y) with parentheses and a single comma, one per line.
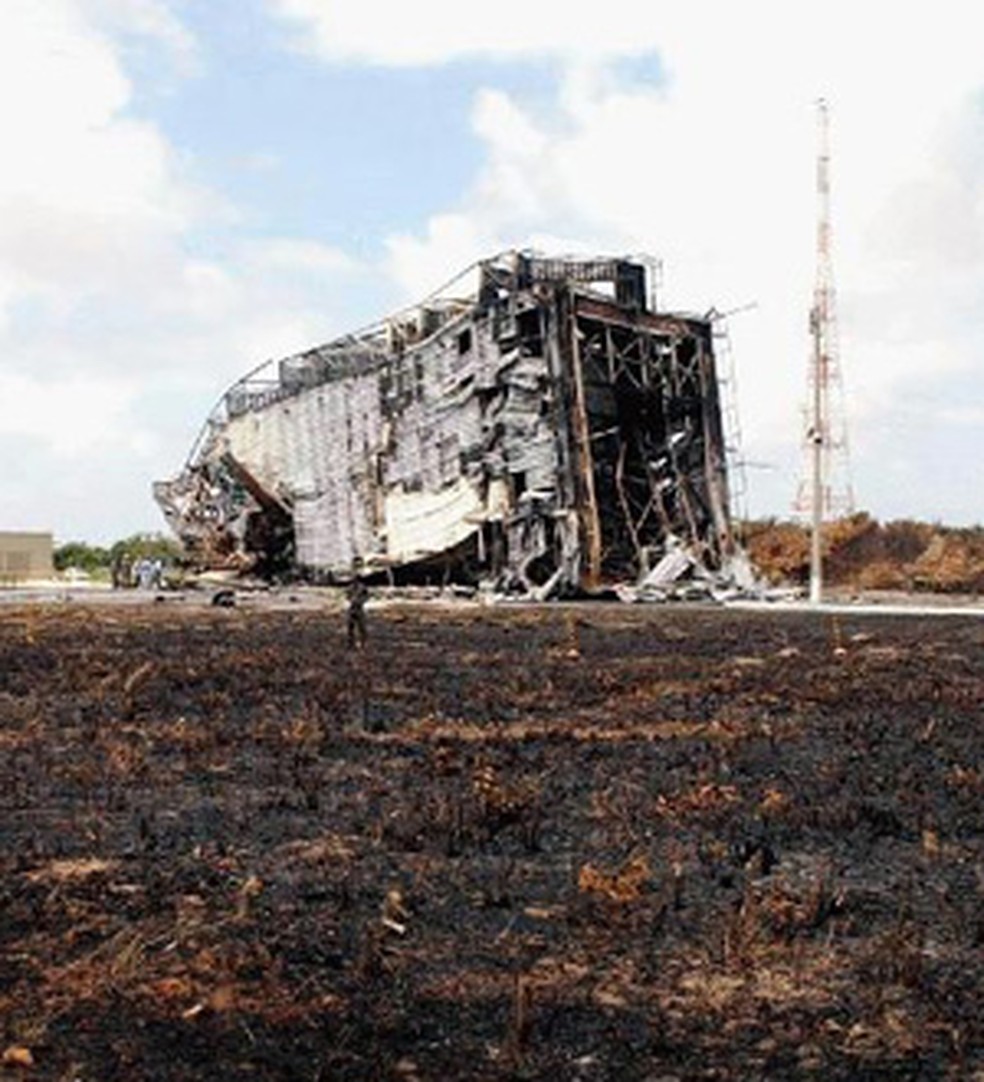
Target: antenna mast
(826,449)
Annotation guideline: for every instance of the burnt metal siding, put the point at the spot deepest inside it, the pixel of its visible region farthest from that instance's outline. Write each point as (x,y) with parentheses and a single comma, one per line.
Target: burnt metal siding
(467,408)
(554,433)
(569,402)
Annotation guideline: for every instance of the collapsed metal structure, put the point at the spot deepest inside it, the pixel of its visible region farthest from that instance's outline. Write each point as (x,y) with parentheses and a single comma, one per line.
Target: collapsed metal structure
(547,431)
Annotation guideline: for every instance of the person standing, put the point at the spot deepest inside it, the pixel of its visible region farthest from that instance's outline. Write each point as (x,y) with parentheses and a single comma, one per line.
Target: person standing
(144,570)
(357,595)
(116,570)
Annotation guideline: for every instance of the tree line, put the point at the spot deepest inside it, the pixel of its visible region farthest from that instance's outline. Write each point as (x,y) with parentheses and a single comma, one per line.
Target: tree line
(128,550)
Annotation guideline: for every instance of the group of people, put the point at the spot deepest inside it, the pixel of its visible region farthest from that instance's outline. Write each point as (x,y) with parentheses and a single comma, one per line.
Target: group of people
(146,573)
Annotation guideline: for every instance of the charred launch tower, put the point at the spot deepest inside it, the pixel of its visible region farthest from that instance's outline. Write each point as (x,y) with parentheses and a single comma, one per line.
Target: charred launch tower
(541,426)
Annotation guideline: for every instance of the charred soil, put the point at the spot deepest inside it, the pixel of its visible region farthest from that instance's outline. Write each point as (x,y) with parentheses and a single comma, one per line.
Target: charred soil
(571,842)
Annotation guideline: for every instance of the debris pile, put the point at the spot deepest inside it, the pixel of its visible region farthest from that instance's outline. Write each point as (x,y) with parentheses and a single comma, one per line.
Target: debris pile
(682,575)
(539,427)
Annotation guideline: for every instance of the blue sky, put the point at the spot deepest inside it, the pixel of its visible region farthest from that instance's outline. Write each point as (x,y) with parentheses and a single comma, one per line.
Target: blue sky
(343,154)
(194,187)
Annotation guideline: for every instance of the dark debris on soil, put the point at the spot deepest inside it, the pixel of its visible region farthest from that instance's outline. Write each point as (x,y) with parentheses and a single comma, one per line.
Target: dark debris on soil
(573,842)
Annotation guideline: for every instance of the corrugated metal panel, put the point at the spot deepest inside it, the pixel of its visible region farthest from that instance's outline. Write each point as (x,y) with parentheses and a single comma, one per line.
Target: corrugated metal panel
(423,523)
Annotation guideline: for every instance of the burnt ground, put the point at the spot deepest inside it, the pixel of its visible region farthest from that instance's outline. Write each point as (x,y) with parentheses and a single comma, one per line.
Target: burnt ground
(569,843)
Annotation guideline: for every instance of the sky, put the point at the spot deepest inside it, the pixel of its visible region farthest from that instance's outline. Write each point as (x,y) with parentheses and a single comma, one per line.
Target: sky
(191,187)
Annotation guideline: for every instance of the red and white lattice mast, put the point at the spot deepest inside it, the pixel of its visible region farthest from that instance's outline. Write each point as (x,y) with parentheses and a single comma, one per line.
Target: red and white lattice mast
(825,490)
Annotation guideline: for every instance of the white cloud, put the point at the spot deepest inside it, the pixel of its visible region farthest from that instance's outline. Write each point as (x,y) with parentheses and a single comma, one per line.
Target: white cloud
(151,19)
(452,242)
(114,338)
(712,169)
(70,416)
(89,197)
(765,42)
(297,255)
(433,31)
(120,320)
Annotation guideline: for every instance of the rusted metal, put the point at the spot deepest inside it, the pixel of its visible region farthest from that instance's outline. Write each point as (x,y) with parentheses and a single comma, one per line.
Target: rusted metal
(543,431)
(586,470)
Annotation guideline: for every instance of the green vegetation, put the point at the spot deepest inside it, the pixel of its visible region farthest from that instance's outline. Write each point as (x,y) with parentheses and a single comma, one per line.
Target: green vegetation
(79,554)
(94,559)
